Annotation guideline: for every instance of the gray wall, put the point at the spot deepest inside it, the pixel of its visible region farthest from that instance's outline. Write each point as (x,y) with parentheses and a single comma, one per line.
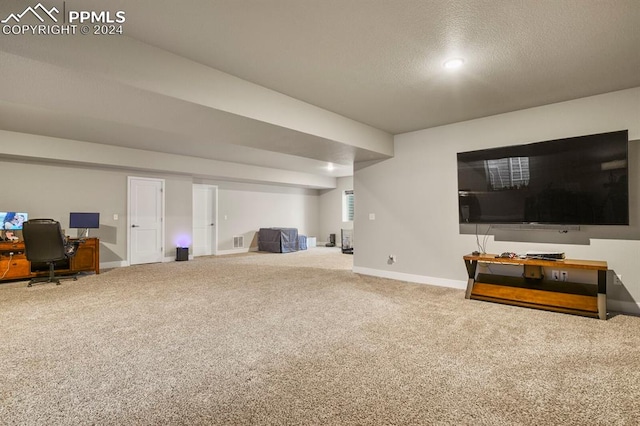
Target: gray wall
(178,204)
(414,197)
(50,190)
(244,208)
(331,210)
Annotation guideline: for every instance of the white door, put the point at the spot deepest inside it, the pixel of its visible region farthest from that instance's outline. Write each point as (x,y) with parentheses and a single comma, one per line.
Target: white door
(146,213)
(205,213)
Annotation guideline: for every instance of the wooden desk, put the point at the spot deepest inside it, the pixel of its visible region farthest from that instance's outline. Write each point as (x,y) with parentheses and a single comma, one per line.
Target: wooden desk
(559,296)
(15,266)
(87,259)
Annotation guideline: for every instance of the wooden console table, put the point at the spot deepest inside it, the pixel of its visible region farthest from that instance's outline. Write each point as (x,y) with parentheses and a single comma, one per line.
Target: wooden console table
(533,291)
(15,266)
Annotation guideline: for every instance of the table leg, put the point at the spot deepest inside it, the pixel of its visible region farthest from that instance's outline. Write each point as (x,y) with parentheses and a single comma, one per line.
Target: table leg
(602,295)
(471,272)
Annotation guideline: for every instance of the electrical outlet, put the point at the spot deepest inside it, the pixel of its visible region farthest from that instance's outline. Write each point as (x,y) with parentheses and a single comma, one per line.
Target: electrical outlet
(564,275)
(555,275)
(392,259)
(617,279)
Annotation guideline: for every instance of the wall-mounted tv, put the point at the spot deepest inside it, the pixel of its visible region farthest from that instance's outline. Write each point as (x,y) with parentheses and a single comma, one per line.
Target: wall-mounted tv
(580,180)
(13,220)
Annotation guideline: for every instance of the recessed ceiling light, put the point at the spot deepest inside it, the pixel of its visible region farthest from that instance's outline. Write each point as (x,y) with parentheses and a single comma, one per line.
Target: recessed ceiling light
(453,63)
(330,166)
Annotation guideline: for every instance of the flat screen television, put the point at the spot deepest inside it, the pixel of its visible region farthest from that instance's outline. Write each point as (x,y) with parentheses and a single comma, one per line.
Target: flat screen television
(13,220)
(580,180)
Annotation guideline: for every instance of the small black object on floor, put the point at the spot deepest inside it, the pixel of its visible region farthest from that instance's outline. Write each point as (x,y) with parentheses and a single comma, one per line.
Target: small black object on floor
(182,254)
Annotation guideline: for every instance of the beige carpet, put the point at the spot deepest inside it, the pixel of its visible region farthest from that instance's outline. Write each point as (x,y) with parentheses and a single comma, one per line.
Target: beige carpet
(298,339)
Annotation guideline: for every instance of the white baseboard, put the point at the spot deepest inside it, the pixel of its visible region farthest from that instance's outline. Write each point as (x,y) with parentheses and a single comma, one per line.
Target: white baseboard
(419,279)
(123,263)
(173,258)
(115,264)
(236,251)
(612,305)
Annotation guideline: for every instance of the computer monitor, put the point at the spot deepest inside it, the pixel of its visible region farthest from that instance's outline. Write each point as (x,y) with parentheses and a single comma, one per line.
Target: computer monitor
(84,221)
(11,222)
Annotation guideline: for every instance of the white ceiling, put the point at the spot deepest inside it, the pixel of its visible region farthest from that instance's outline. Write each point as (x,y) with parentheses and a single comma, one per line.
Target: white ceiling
(378,62)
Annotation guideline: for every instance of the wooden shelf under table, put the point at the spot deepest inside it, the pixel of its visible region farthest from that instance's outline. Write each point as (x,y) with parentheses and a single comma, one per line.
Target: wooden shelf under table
(567,297)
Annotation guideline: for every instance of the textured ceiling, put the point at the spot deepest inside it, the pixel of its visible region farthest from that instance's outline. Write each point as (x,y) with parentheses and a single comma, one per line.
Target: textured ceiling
(378,62)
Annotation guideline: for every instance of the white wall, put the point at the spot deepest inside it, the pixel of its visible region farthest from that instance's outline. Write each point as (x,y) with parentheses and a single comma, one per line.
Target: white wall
(331,210)
(414,196)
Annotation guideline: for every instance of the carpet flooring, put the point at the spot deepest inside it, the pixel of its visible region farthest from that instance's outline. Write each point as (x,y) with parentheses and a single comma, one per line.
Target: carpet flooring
(298,339)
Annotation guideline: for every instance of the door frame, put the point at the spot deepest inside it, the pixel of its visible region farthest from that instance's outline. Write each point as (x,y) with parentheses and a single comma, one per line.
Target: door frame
(214,248)
(130,179)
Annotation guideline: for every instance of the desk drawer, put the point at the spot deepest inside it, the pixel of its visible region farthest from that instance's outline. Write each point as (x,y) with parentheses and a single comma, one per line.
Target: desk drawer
(17,267)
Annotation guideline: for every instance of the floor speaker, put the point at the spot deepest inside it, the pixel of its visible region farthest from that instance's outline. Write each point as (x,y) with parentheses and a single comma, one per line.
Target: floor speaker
(182,253)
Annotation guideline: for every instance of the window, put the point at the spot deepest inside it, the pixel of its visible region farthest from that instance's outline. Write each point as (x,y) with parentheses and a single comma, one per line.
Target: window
(347,205)
(508,173)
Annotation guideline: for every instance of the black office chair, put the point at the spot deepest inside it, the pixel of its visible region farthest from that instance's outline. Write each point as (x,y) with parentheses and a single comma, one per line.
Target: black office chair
(44,243)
